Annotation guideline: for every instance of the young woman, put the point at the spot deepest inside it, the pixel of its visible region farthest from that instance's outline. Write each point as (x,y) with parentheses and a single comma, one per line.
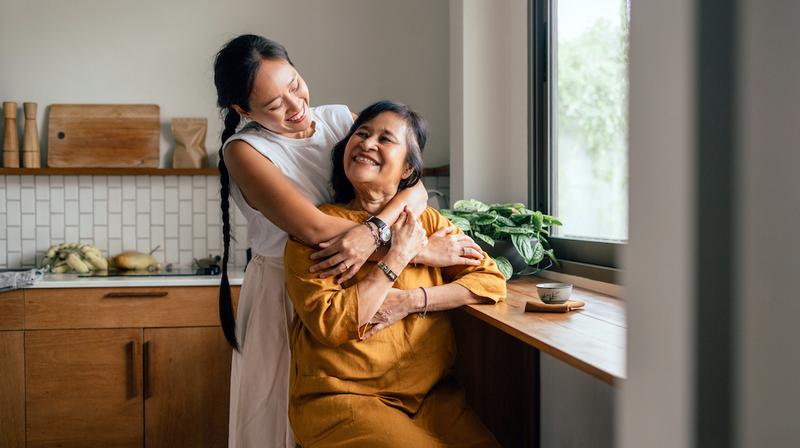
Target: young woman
(277,168)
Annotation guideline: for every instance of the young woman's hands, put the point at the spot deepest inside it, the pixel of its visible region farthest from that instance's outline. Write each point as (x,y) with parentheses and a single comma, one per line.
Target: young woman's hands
(408,238)
(344,254)
(445,250)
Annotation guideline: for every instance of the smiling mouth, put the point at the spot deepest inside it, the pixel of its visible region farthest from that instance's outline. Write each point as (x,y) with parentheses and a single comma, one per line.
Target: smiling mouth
(299,116)
(365,160)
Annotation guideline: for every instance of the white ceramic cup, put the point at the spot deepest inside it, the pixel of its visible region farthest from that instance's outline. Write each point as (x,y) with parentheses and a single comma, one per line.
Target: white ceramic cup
(554,292)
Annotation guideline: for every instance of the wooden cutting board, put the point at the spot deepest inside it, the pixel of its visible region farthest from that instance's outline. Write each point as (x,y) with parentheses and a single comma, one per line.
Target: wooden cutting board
(103,136)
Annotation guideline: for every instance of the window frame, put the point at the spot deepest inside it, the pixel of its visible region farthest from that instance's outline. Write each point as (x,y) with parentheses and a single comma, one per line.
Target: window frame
(592,258)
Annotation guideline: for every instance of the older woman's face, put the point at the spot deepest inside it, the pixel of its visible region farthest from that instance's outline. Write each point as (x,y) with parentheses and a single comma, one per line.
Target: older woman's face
(376,152)
(279,99)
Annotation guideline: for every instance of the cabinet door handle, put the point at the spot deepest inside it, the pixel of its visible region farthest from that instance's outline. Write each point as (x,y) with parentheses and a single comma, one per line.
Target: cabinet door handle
(130,351)
(135,295)
(146,370)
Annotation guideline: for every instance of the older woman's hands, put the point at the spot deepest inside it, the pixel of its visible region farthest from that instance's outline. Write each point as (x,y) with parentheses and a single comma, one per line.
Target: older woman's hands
(345,254)
(445,250)
(398,304)
(408,238)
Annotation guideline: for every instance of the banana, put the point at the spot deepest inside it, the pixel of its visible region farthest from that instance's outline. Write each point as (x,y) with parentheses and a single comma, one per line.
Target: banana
(74,261)
(51,252)
(96,260)
(59,269)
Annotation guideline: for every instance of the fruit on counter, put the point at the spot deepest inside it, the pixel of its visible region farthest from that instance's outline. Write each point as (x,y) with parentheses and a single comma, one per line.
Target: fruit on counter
(80,258)
(136,261)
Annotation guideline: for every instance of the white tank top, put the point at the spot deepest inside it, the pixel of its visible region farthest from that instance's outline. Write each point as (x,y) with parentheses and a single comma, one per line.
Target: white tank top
(306,162)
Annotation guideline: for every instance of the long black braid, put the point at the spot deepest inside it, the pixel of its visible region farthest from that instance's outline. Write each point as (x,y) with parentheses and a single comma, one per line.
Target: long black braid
(226,317)
(235,68)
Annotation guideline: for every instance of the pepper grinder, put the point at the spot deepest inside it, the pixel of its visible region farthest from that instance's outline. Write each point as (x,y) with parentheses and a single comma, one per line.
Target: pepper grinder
(10,138)
(30,147)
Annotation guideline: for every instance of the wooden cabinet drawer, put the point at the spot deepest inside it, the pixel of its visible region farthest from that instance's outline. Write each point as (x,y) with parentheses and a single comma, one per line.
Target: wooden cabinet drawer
(141,307)
(12,310)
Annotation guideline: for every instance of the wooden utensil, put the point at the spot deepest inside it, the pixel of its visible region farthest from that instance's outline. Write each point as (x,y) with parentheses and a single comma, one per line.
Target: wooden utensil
(10,137)
(30,149)
(112,135)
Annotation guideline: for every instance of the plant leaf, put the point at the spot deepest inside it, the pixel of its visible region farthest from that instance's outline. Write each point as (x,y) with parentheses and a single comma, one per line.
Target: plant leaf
(461,223)
(538,220)
(551,256)
(513,230)
(523,245)
(504,266)
(505,221)
(538,253)
(503,210)
(521,219)
(447,213)
(470,206)
(551,220)
(484,219)
(485,238)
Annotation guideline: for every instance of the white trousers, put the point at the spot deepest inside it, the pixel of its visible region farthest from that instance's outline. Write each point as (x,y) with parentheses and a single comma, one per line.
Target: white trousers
(260,371)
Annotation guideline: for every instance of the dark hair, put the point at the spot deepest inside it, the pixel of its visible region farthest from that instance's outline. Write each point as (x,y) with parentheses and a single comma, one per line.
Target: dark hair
(417,137)
(235,68)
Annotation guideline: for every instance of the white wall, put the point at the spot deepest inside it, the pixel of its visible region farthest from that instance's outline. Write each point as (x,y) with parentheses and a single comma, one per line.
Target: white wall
(768,357)
(100,51)
(488,100)
(655,401)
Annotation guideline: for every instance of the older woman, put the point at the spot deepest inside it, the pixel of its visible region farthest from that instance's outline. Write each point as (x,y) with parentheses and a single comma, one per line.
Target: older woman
(371,356)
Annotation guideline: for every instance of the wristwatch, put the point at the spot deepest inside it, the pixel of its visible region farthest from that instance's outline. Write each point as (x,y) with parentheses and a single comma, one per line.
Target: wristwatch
(384,232)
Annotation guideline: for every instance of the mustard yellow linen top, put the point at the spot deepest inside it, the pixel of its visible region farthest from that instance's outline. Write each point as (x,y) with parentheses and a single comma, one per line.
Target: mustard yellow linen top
(401,363)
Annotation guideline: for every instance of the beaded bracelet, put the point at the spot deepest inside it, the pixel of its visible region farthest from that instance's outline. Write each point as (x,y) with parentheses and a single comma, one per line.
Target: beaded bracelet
(425,308)
(374,232)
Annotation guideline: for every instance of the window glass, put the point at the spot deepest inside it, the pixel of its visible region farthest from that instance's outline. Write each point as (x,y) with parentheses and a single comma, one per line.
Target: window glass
(588,110)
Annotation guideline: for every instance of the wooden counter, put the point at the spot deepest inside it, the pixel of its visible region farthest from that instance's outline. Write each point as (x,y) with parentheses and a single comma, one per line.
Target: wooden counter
(592,340)
(498,364)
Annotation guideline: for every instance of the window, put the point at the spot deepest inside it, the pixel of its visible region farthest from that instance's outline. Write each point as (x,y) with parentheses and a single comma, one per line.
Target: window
(579,126)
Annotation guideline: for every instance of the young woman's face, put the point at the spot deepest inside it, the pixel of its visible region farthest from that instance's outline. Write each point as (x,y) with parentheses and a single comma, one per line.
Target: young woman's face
(376,153)
(279,99)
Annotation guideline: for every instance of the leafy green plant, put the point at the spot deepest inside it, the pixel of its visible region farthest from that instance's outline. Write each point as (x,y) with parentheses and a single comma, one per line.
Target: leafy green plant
(492,223)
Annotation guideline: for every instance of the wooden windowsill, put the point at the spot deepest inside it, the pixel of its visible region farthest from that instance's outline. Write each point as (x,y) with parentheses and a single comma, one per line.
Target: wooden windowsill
(592,340)
(109,171)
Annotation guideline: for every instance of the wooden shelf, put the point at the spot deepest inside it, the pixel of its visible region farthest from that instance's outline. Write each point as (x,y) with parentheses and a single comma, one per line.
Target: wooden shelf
(109,171)
(435,171)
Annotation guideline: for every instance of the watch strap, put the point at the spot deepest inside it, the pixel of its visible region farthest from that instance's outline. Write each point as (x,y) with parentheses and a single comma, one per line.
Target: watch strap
(387,270)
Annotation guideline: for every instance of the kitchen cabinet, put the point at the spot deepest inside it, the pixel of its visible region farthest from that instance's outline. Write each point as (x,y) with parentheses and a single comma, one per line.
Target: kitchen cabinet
(83,388)
(12,370)
(187,372)
(125,367)
(12,389)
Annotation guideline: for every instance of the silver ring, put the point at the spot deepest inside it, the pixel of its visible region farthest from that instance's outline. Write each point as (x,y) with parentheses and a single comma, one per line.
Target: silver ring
(345,266)
(464,251)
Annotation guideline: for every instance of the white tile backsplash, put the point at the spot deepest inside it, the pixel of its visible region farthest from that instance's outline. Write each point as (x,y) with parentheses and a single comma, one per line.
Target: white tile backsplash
(178,213)
(57,200)
(13,187)
(13,213)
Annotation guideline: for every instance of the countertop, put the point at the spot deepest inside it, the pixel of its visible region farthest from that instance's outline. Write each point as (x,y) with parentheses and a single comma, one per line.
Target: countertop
(73,281)
(592,339)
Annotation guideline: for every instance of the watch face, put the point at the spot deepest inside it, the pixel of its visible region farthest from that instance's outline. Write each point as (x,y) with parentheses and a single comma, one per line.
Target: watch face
(386,234)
